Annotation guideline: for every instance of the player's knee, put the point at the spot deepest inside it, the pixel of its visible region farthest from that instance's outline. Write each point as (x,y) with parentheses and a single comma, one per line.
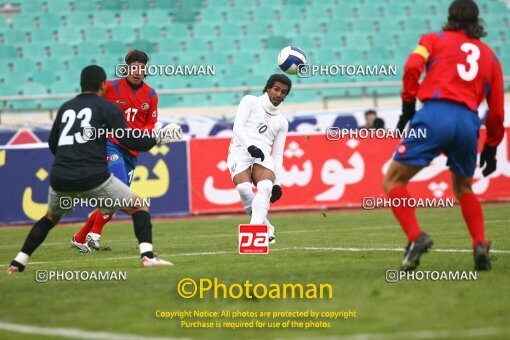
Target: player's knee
(460,189)
(54,218)
(264,187)
(388,183)
(461,185)
(137,204)
(392,179)
(131,210)
(141,208)
(385,185)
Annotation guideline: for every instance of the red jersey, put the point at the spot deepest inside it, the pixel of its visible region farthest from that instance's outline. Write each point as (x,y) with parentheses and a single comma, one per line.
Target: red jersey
(140,106)
(460,69)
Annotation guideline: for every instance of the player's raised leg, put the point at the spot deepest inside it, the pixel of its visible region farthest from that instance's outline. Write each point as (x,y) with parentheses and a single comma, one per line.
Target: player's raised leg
(395,185)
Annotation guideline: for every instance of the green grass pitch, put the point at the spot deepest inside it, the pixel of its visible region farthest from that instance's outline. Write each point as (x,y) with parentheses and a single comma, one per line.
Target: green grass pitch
(310,248)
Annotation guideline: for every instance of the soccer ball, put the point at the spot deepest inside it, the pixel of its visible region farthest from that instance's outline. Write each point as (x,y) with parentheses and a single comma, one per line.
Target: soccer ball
(290,58)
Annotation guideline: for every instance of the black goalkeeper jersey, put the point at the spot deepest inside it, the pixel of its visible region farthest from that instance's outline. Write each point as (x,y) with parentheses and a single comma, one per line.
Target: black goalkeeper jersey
(80,151)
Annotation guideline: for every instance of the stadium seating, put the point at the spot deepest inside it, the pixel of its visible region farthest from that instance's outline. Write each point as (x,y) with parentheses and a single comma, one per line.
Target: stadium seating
(241,38)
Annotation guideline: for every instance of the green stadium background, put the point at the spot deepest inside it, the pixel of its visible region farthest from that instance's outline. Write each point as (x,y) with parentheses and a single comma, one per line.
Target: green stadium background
(45,43)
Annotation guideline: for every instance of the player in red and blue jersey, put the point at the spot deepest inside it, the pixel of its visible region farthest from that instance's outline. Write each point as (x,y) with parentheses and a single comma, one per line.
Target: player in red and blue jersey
(462,71)
(139,103)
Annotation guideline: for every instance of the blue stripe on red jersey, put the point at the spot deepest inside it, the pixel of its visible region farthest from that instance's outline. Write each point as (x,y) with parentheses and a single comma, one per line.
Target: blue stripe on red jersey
(429,64)
(487,87)
(116,86)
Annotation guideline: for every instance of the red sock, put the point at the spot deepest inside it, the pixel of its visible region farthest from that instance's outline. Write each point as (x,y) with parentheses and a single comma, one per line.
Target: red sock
(80,236)
(473,215)
(100,222)
(406,216)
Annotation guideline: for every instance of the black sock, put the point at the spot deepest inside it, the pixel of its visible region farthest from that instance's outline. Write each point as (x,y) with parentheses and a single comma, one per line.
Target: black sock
(20,266)
(143,229)
(148,254)
(37,235)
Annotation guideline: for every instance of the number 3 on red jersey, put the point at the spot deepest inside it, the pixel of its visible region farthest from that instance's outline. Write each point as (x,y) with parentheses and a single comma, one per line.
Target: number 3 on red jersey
(473,54)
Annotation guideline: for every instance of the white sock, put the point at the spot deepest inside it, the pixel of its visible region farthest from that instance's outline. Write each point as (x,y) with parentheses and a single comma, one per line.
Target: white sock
(266,222)
(22,258)
(246,193)
(145,247)
(260,203)
(94,236)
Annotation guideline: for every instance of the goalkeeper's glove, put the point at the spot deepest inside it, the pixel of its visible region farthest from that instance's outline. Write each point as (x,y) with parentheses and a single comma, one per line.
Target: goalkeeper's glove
(408,110)
(276,194)
(168,133)
(488,156)
(256,152)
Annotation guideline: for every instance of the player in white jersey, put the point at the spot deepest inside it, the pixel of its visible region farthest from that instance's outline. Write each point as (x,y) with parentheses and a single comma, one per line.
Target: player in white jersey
(256,150)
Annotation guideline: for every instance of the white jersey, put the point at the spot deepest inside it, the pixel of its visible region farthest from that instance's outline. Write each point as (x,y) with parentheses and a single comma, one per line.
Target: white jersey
(258,122)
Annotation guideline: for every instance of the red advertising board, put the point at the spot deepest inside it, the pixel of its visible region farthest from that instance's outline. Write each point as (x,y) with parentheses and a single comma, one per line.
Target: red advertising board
(319,173)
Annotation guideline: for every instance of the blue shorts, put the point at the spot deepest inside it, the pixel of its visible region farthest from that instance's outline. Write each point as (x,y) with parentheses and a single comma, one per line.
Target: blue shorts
(120,162)
(450,128)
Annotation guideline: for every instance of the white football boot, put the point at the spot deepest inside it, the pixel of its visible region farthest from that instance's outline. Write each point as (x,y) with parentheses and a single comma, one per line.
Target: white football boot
(154,262)
(12,270)
(82,247)
(93,240)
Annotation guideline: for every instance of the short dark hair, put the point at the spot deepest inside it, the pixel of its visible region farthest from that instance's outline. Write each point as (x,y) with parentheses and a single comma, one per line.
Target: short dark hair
(370,112)
(91,78)
(136,56)
(378,123)
(277,77)
(463,15)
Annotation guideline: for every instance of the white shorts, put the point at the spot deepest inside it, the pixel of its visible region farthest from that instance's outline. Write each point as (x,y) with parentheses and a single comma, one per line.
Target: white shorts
(239,159)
